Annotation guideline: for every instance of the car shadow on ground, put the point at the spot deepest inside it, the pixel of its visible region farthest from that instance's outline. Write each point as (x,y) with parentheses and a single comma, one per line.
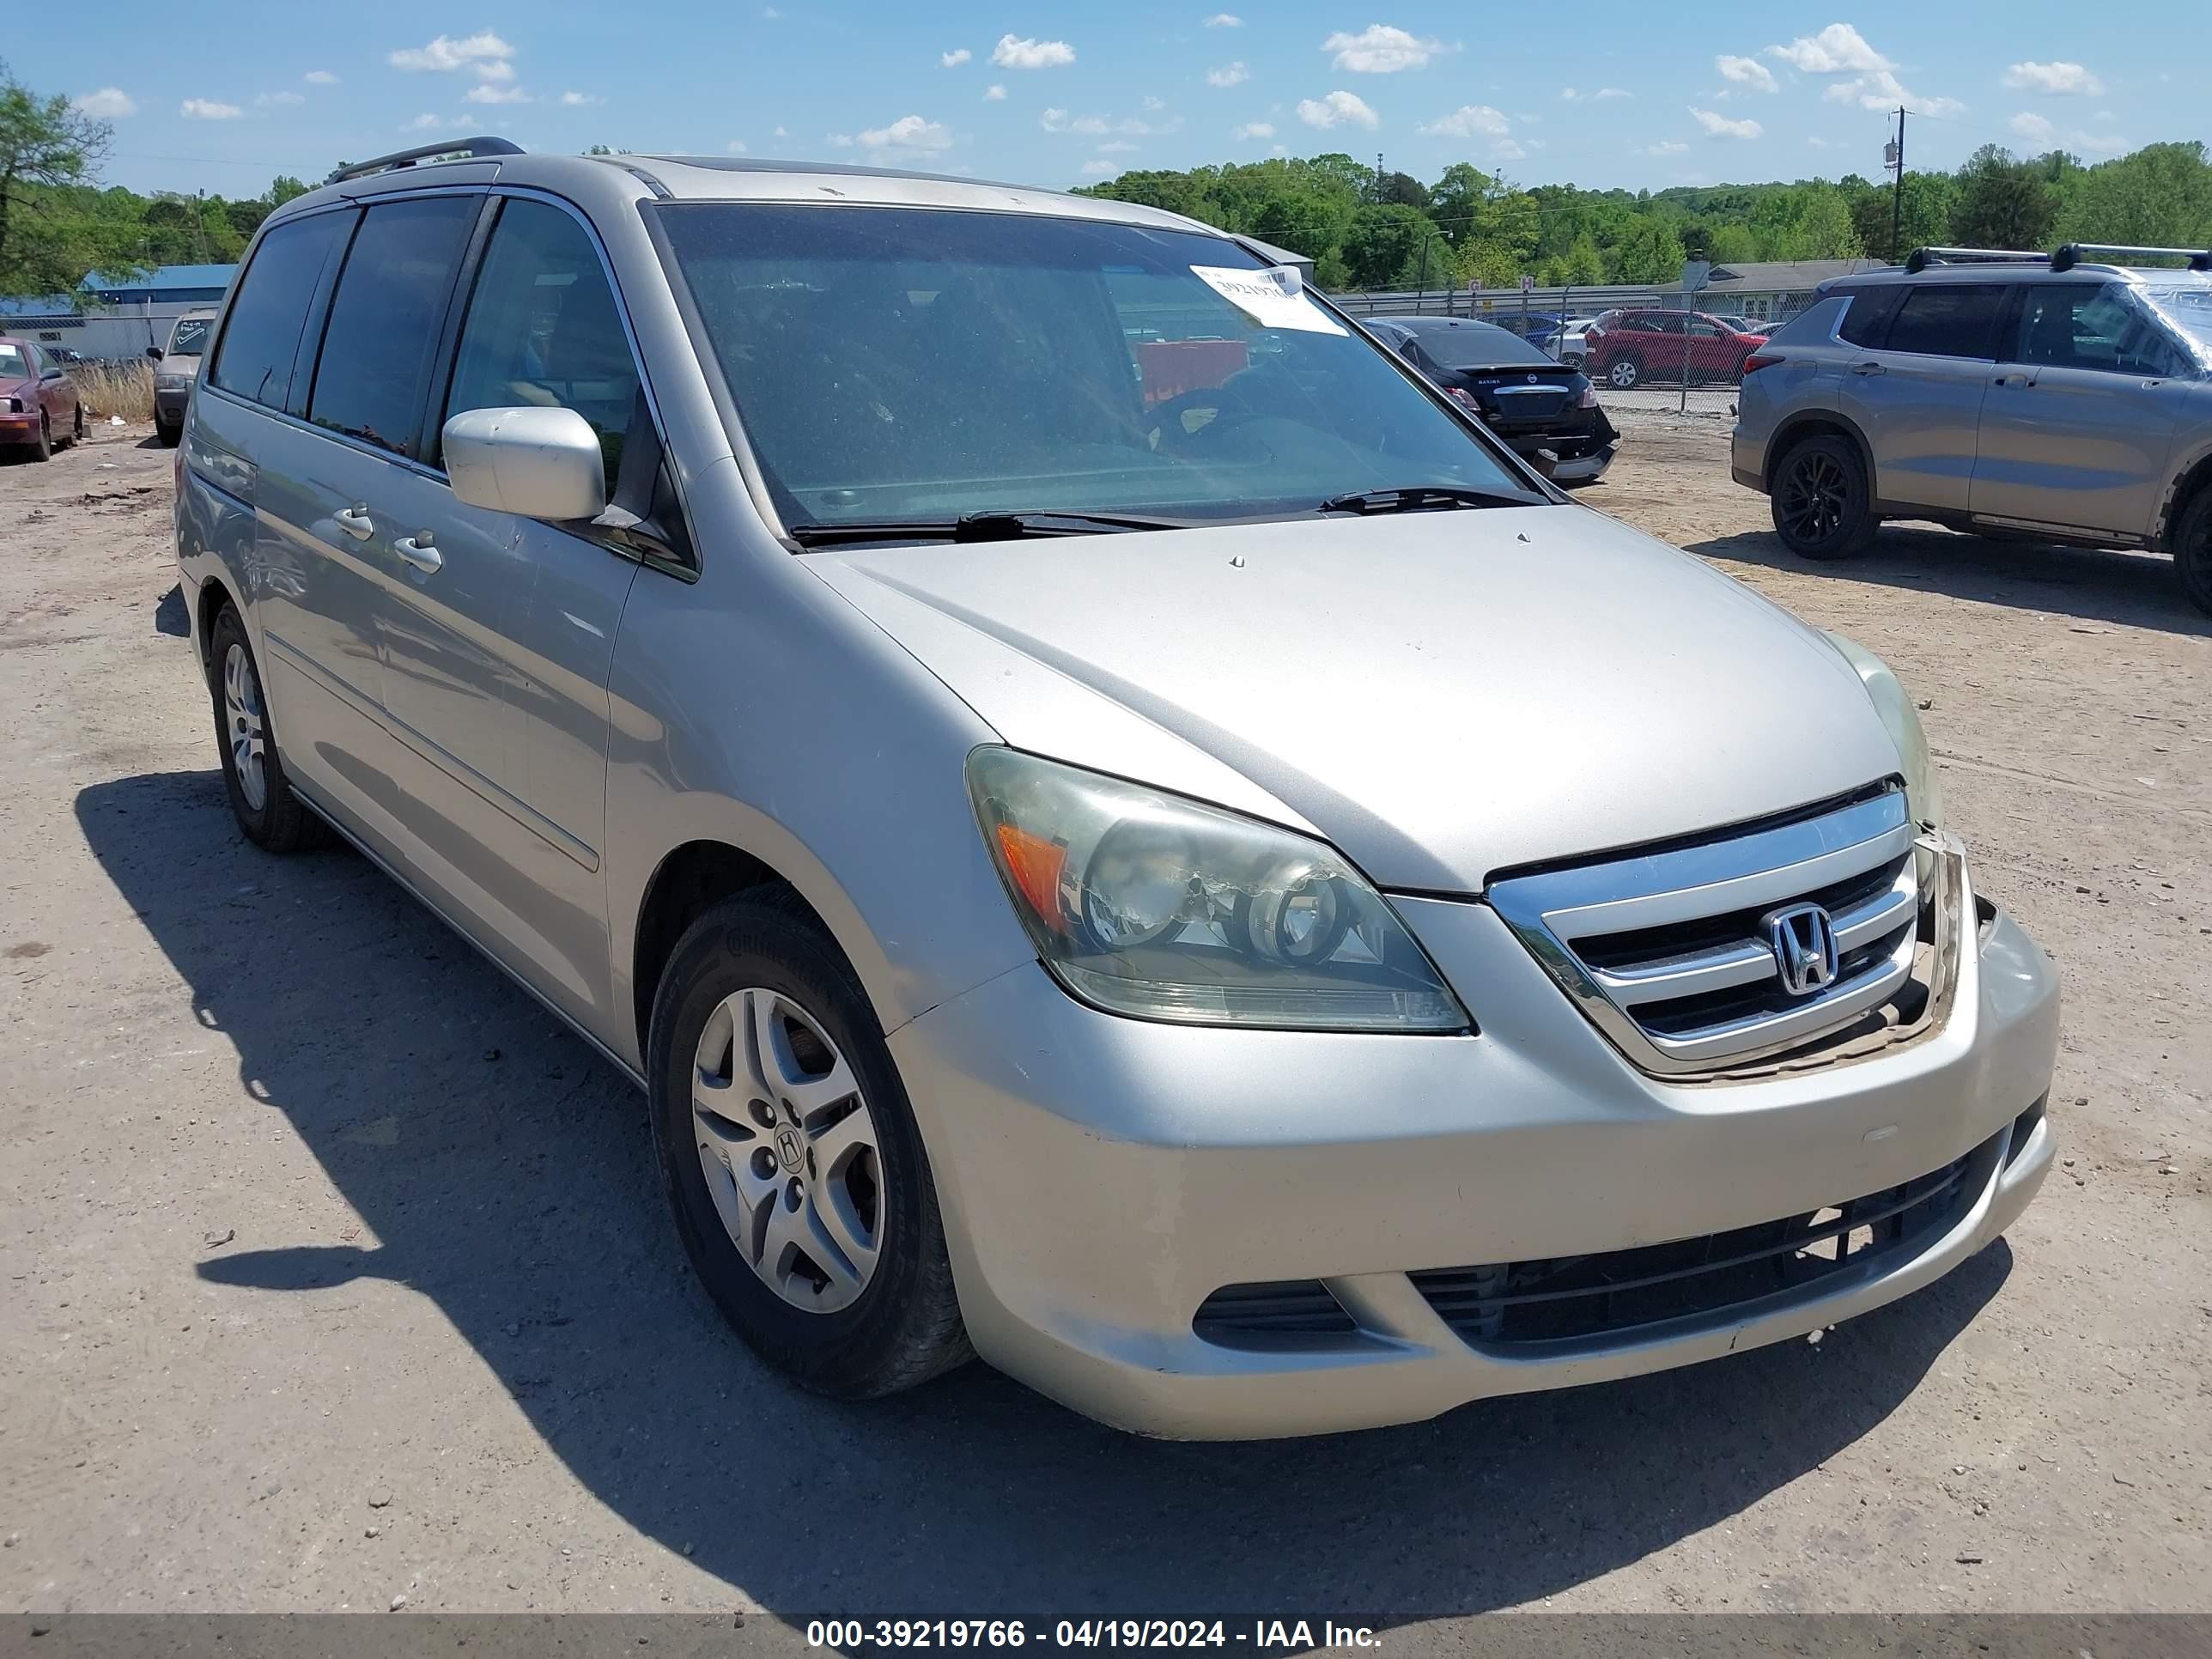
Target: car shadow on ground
(2136,590)
(170,616)
(506,1174)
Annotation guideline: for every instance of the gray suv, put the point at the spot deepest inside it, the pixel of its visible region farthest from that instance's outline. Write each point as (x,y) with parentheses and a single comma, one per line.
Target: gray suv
(1117,828)
(2063,397)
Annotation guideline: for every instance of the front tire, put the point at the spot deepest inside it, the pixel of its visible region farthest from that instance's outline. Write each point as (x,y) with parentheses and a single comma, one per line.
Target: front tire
(271,816)
(793,1162)
(2192,551)
(43,448)
(171,436)
(1822,506)
(1624,373)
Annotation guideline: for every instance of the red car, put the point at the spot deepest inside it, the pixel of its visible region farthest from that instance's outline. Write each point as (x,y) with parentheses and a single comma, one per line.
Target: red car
(39,405)
(1625,349)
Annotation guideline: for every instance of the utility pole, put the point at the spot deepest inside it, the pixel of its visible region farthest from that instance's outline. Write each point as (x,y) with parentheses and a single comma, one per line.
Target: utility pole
(1896,190)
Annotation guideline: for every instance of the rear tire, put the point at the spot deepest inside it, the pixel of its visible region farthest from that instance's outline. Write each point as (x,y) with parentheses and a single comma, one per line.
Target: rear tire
(77,427)
(1623,373)
(842,1281)
(272,817)
(2193,549)
(1822,507)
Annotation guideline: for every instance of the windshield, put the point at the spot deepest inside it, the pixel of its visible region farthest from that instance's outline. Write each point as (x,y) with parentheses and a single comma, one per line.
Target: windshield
(1473,345)
(913,365)
(13,366)
(2190,310)
(190,339)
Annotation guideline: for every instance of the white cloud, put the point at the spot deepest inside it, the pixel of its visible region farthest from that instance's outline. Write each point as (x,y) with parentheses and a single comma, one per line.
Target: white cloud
(320,78)
(2036,128)
(2056,79)
(1815,141)
(2040,130)
(1570,95)
(1229,75)
(738,147)
(108,104)
(444,54)
(1507,149)
(1252,130)
(781,133)
(1378,48)
(1338,109)
(1666,147)
(955,57)
(839,141)
(1116,147)
(1224,19)
(1839,49)
(1150,102)
(207,109)
(1099,169)
(908,132)
(1719,126)
(1010,53)
(578,99)
(423,123)
(486,92)
(267,99)
(995,93)
(1747,72)
(1469,121)
(1604,92)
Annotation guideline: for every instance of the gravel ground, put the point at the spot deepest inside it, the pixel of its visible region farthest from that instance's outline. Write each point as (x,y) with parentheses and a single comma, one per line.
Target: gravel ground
(335,1275)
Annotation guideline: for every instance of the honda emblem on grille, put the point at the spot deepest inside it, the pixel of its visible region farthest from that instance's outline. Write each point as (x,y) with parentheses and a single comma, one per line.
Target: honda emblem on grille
(1803,939)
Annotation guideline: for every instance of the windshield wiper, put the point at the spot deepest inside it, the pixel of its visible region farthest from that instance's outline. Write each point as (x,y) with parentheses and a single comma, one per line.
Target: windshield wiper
(987,526)
(1409,498)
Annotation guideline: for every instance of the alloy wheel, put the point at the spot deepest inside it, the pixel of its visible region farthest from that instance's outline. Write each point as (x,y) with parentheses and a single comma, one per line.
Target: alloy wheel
(789,1148)
(1623,374)
(1813,497)
(243,726)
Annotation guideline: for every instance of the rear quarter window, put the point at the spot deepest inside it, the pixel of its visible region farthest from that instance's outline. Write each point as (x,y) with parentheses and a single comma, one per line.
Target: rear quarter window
(263,335)
(1867,313)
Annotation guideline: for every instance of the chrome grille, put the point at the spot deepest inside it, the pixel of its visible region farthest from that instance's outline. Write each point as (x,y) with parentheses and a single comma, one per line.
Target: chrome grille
(1664,951)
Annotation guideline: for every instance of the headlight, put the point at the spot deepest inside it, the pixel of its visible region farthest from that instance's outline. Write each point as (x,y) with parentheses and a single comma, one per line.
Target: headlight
(172,382)
(1921,797)
(1149,905)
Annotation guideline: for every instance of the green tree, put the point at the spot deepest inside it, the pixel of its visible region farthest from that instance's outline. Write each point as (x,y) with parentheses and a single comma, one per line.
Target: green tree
(1650,253)
(1382,241)
(2159,197)
(45,146)
(2002,202)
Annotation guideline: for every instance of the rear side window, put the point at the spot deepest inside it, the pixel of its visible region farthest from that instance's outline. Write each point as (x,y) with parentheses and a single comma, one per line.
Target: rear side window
(543,329)
(255,360)
(1947,319)
(385,318)
(1869,314)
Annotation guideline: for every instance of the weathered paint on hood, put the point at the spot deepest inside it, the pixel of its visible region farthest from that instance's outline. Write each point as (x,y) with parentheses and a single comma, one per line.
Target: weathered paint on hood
(1441,695)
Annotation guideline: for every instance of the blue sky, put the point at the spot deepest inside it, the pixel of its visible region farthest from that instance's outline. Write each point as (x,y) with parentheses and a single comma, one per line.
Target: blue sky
(225,93)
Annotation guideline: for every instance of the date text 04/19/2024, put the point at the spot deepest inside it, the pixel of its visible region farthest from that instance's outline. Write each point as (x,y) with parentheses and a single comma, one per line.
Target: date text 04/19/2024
(1281,1635)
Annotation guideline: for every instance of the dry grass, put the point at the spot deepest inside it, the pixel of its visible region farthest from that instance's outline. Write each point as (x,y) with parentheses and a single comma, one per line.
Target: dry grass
(124,389)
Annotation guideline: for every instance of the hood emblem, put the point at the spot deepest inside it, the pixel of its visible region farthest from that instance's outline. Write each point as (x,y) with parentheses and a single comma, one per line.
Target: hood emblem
(1803,937)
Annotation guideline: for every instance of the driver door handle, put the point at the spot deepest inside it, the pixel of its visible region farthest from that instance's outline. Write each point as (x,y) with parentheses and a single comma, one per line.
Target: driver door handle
(418,552)
(355,521)
(2012,379)
(1869,368)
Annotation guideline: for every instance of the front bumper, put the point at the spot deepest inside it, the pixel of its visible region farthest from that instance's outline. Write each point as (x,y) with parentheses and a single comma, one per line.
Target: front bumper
(19,429)
(170,406)
(1101,1177)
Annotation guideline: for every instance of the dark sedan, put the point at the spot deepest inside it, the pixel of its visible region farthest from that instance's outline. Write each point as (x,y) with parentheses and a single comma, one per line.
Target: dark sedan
(1547,411)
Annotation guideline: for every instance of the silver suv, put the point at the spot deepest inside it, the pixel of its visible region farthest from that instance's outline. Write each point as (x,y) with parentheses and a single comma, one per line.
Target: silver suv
(1117,828)
(2066,397)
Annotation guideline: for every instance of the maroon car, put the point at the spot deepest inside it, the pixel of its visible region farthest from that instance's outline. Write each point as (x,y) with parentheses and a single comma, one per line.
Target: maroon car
(1627,348)
(39,405)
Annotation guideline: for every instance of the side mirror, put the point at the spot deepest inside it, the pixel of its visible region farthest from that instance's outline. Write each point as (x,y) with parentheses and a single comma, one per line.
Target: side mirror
(155,352)
(534,462)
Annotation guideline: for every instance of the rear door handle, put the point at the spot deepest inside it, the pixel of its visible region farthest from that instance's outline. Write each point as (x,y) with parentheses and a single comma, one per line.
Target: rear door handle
(418,552)
(1869,368)
(355,521)
(2012,379)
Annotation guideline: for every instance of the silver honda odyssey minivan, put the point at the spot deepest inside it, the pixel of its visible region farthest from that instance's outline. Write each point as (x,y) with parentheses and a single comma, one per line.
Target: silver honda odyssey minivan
(1119,830)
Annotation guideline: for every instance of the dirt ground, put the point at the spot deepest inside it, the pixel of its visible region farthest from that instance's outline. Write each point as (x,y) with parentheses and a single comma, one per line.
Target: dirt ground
(335,1275)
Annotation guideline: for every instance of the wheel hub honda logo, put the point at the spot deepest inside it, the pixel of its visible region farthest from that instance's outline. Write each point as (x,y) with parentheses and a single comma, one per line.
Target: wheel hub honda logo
(788,1148)
(1803,939)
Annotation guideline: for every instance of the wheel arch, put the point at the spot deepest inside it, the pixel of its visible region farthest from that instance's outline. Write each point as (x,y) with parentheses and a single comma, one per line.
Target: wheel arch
(214,595)
(1814,424)
(2189,482)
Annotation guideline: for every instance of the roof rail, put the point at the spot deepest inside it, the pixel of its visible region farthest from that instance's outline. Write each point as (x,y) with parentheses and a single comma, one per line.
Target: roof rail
(457,149)
(1922,258)
(2075,253)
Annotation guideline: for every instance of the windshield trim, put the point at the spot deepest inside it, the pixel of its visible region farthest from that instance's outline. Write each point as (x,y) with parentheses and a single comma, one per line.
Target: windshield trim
(654,214)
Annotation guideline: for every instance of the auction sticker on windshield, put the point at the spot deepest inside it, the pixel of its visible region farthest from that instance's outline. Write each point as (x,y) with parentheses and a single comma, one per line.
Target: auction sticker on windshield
(1274,298)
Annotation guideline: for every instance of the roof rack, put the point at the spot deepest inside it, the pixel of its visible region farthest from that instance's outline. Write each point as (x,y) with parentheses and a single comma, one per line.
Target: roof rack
(457,149)
(1921,257)
(2075,253)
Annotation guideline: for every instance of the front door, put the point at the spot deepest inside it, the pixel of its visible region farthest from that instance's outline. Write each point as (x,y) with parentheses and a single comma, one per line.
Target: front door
(2081,413)
(1918,396)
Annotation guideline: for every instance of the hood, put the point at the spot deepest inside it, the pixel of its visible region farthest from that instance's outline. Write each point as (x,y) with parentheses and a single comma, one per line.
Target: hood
(183,363)
(1441,695)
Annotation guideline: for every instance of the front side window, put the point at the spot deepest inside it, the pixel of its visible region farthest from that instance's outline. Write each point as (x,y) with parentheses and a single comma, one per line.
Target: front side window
(385,319)
(1947,319)
(543,329)
(263,335)
(902,365)
(2096,325)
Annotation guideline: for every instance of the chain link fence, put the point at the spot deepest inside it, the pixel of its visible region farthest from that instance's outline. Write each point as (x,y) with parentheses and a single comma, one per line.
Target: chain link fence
(1649,349)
